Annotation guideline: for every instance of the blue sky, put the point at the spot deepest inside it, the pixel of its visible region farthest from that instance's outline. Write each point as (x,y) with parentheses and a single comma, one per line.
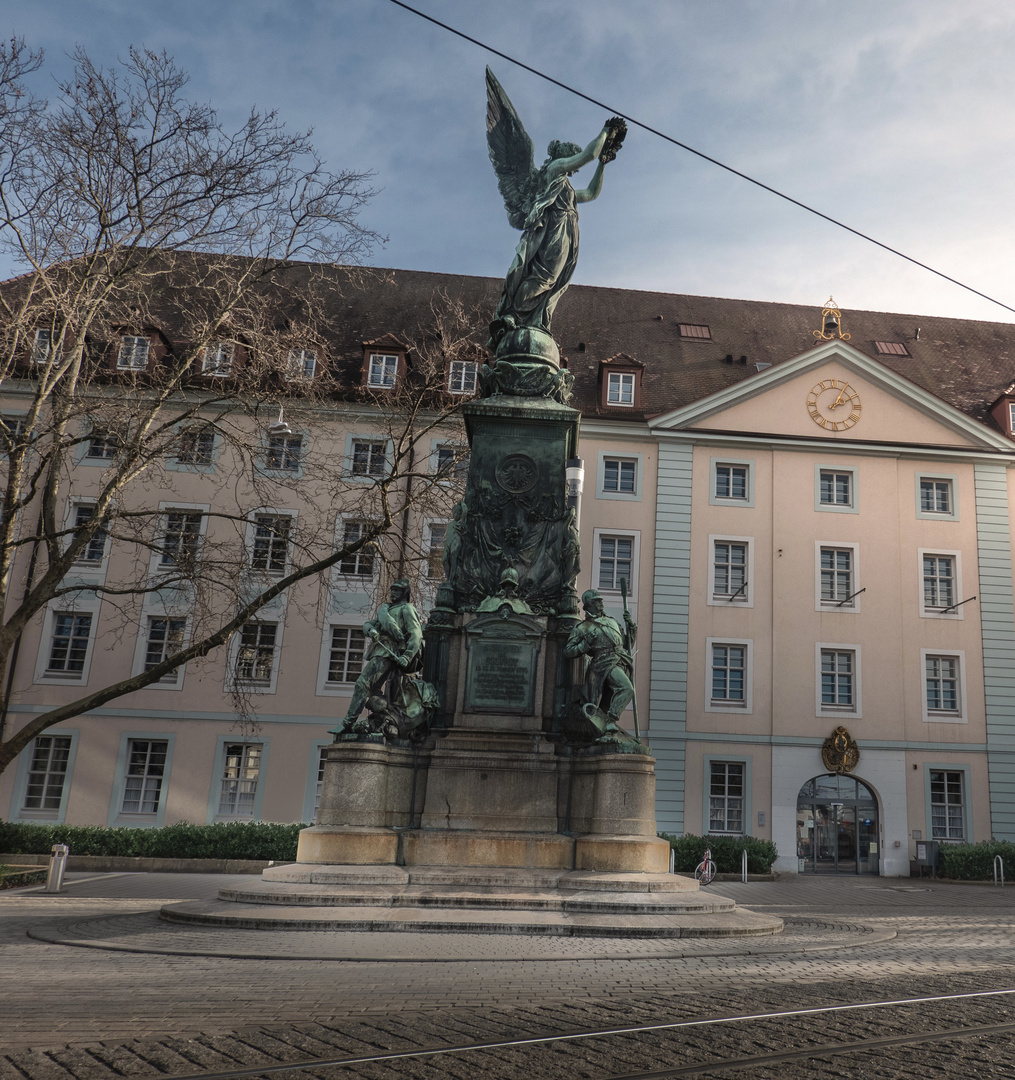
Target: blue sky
(897,118)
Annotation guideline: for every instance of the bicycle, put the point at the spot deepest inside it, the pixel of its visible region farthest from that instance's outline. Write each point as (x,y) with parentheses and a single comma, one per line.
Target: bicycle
(705,870)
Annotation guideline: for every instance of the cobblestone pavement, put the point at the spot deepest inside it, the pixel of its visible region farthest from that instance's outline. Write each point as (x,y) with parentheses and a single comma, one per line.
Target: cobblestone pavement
(94,1013)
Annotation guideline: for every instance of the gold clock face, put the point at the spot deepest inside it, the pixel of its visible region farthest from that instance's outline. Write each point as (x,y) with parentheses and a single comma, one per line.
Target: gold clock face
(834,405)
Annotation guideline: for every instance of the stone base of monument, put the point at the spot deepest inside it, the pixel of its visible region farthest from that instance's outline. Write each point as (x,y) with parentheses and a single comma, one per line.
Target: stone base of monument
(466,900)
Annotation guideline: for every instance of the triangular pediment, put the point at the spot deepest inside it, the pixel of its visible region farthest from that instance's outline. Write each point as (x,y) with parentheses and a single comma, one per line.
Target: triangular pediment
(837,393)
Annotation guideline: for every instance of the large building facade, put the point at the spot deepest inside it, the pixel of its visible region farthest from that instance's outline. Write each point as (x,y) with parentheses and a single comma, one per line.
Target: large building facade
(816,537)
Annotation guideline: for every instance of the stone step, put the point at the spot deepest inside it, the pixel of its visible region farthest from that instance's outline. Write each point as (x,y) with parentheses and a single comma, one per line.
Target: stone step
(558,923)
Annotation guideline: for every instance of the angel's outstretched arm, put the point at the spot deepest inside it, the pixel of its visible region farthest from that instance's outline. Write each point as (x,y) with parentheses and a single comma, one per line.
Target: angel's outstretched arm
(572,164)
(595,186)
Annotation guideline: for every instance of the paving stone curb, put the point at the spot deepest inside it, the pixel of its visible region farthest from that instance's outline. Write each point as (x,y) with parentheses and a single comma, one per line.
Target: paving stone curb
(123,864)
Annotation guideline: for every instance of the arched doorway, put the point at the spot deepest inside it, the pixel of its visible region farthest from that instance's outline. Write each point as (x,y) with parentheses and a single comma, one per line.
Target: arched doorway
(837,826)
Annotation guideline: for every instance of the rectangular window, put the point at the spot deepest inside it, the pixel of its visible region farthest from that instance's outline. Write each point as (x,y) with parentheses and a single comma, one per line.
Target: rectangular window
(453,463)
(218,359)
(95,550)
(615,557)
(726,797)
(181,540)
(196,446)
(891,348)
(382,372)
(271,542)
(103,445)
(942,682)
(133,354)
(619,388)
(462,376)
(729,671)
(838,674)
(360,563)
(12,431)
(300,365)
(729,571)
(345,658)
(42,348)
(69,648)
(938,582)
(47,773)
(935,496)
(369,458)
(694,330)
(947,805)
(284,452)
(319,788)
(435,551)
(731,482)
(619,474)
(836,568)
(240,775)
(165,637)
(255,660)
(835,488)
(146,769)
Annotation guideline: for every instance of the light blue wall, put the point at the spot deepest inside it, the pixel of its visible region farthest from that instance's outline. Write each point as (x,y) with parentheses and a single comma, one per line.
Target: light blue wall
(671,594)
(993,533)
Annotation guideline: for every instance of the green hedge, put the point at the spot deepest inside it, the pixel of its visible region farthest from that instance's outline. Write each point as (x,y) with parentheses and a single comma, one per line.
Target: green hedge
(975,862)
(261,840)
(688,851)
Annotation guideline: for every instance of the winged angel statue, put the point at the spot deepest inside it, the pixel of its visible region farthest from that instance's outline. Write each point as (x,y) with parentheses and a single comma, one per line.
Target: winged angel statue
(542,203)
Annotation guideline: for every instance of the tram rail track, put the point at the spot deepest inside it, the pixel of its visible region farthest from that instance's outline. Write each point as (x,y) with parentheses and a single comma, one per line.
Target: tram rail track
(315,1065)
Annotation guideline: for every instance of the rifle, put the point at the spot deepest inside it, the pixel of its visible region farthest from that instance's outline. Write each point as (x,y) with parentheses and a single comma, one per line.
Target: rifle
(628,644)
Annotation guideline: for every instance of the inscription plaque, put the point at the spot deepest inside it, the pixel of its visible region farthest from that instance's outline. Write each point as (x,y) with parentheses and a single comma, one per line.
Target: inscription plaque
(501,666)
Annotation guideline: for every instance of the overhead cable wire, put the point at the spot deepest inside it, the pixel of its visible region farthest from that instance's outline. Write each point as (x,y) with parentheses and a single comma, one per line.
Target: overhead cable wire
(698,153)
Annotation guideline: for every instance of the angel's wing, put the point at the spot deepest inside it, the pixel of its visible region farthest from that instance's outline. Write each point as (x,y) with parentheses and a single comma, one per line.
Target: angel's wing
(510,152)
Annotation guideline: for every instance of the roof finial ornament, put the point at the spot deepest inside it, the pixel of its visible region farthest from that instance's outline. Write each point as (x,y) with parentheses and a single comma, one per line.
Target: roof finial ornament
(831,322)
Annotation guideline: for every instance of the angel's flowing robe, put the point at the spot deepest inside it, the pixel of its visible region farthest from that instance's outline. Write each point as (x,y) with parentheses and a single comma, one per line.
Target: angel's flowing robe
(544,259)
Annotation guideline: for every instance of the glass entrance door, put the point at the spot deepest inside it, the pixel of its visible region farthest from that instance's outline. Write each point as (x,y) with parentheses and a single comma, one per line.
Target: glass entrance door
(837,827)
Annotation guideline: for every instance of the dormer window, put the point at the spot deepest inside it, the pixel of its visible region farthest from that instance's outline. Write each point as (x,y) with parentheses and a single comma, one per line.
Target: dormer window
(218,359)
(462,376)
(1011,417)
(382,371)
(133,354)
(301,365)
(42,348)
(620,388)
(695,330)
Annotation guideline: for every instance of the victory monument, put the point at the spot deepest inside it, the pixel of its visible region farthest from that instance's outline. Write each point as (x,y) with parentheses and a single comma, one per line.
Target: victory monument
(482,779)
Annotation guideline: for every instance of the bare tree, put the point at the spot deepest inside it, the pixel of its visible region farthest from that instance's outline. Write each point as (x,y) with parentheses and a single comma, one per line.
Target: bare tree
(177,293)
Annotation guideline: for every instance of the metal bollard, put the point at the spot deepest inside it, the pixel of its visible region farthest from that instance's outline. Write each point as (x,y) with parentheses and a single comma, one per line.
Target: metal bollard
(57,866)
(999,866)
(673,861)
(743,867)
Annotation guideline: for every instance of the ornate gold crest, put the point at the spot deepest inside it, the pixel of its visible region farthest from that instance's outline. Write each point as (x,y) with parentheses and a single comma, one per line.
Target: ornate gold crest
(839,752)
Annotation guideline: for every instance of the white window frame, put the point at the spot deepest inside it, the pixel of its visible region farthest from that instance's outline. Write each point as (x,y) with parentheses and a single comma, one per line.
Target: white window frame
(624,457)
(326,688)
(622,379)
(350,450)
(174,681)
(233,681)
(314,768)
(853,507)
(713,481)
(621,534)
(127,355)
(87,566)
(944,716)
(461,455)
(725,759)
(725,705)
(217,359)
(745,599)
(933,515)
(936,613)
(218,778)
(852,606)
(101,461)
(158,566)
(117,816)
(251,541)
(284,443)
(967,815)
(18,811)
(43,356)
(73,604)
(382,371)
(345,577)
(463,368)
(301,365)
(176,464)
(821,709)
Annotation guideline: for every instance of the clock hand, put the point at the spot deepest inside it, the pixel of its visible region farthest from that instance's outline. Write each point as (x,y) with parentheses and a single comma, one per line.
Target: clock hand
(838,401)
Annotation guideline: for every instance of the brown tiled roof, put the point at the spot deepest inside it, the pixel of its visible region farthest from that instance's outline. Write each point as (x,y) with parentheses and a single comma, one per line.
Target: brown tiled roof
(968,363)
